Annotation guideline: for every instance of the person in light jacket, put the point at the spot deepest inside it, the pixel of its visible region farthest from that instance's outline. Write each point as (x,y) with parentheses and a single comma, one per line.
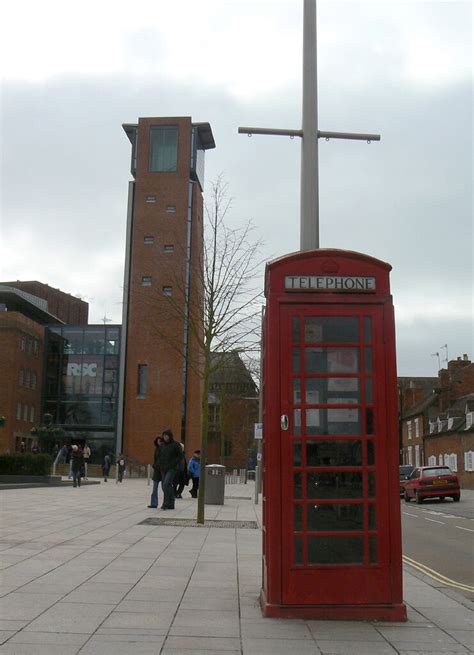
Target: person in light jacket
(156,474)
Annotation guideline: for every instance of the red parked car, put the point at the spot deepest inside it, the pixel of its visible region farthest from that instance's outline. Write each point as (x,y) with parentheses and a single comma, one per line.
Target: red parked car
(432,482)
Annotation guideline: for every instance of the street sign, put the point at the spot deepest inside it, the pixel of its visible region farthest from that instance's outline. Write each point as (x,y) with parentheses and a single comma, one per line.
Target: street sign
(258,430)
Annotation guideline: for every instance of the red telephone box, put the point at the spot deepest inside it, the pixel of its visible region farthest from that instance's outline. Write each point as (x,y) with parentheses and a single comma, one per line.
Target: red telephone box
(331,508)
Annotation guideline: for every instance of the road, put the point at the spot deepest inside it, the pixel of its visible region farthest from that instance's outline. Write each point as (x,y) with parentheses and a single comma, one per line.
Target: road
(438,540)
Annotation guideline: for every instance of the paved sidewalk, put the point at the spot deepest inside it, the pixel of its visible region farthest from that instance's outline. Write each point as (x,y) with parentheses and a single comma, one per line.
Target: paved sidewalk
(81,575)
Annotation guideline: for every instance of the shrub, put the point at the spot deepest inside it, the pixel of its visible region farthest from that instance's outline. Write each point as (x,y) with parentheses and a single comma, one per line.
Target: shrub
(25,464)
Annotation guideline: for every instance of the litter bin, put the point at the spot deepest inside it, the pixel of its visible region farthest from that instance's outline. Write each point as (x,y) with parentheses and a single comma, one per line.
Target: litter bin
(215,484)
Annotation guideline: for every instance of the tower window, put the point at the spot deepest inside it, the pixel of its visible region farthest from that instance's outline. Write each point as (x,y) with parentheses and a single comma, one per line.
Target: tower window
(167,291)
(163,149)
(146,281)
(142,380)
(148,240)
(168,247)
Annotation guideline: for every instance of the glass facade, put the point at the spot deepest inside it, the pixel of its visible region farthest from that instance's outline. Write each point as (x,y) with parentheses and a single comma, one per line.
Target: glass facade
(163,149)
(81,384)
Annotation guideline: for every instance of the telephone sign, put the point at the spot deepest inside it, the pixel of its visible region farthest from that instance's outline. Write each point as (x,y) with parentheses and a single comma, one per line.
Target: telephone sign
(332,545)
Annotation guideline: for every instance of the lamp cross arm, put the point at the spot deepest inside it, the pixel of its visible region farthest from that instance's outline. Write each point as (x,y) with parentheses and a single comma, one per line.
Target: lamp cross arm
(321,134)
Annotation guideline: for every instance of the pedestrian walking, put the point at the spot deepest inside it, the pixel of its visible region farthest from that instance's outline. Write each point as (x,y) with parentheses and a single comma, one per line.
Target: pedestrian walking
(87,453)
(77,459)
(170,454)
(181,480)
(107,463)
(120,468)
(194,470)
(156,474)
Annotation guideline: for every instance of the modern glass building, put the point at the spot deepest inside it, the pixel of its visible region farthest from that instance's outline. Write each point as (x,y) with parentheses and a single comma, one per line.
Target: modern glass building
(81,389)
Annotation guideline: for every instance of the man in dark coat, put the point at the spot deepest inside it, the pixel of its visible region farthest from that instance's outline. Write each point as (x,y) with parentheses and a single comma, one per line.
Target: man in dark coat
(170,455)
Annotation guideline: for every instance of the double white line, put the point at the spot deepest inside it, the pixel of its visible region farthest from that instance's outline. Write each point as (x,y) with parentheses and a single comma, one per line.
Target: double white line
(436,576)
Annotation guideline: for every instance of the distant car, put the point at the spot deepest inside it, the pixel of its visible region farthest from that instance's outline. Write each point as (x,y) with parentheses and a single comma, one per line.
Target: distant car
(432,482)
(405,471)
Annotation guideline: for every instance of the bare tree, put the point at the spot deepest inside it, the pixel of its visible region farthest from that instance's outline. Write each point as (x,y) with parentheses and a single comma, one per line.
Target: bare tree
(223,312)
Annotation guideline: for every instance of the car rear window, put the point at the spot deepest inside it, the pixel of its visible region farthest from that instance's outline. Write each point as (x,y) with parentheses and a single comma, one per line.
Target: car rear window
(405,470)
(431,473)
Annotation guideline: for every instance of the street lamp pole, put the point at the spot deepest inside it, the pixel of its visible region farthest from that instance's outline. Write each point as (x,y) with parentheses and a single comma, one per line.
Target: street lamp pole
(309,134)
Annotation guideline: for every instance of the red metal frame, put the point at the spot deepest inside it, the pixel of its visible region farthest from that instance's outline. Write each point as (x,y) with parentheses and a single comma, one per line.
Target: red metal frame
(297,585)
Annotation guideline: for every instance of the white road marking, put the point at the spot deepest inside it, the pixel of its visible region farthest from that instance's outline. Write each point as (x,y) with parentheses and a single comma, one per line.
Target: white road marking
(461,528)
(434,521)
(408,514)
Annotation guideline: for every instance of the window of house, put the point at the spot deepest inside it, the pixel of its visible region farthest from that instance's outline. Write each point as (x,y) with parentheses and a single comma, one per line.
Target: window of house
(446,459)
(29,345)
(32,414)
(171,209)
(142,381)
(163,149)
(146,281)
(410,455)
(417,455)
(168,247)
(35,346)
(23,344)
(18,412)
(409,430)
(148,240)
(453,462)
(21,377)
(417,428)
(432,427)
(227,447)
(150,199)
(27,378)
(25,412)
(440,460)
(167,291)
(33,380)
(469,460)
(432,460)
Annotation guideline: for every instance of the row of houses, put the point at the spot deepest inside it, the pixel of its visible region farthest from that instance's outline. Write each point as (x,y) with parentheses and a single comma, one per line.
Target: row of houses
(437,420)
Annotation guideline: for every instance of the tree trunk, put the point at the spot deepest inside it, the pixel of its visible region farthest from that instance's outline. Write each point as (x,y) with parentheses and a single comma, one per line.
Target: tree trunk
(204,432)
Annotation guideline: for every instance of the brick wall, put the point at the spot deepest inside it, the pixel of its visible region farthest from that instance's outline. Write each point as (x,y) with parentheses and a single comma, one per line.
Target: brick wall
(155,322)
(457,443)
(21,354)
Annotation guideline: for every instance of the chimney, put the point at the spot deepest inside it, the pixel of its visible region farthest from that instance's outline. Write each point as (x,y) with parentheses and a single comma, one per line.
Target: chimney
(465,357)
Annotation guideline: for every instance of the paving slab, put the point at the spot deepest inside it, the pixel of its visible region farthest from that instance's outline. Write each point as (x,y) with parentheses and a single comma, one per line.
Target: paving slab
(71,617)
(342,647)
(93,580)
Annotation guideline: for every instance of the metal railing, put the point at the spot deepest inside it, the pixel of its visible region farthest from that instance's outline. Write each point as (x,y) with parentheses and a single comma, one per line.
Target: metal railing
(237,476)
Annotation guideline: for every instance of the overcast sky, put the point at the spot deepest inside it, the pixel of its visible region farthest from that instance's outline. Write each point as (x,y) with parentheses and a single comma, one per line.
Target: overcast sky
(74,72)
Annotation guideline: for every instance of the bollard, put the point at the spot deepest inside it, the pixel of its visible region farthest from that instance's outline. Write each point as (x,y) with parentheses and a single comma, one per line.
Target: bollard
(257,481)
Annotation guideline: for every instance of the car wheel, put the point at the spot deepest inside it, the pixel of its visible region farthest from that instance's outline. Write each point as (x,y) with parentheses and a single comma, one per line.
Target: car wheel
(442,499)
(418,498)
(456,498)
(406,497)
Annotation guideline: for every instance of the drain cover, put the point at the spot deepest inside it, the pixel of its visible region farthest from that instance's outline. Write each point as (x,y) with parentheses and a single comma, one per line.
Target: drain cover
(191,523)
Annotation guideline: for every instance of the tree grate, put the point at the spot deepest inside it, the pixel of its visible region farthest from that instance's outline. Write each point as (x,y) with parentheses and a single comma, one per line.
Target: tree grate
(208,523)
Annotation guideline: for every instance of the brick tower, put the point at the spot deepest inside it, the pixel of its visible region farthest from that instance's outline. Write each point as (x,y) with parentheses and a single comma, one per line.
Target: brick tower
(163,288)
